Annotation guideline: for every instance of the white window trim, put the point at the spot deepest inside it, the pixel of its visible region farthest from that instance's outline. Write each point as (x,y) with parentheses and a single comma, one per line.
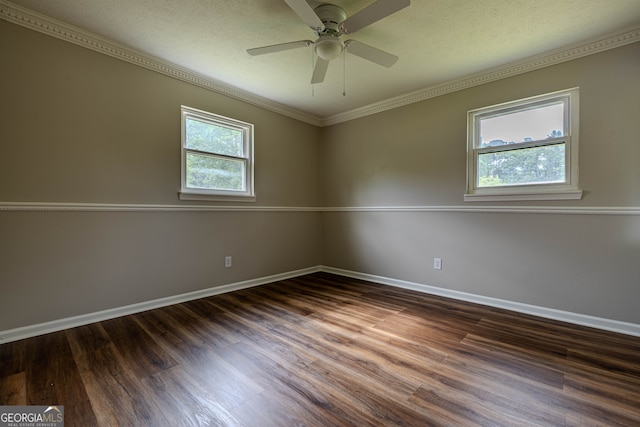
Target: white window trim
(568,190)
(187,193)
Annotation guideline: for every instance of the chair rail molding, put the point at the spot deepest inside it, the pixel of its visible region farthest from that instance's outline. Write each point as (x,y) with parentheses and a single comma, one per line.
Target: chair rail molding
(132,207)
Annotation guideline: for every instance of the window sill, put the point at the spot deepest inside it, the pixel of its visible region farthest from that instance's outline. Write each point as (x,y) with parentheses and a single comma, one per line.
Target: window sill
(216,197)
(499,197)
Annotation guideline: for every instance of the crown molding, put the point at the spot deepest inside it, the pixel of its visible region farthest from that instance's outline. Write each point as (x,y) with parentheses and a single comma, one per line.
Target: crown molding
(547,59)
(52,27)
(44,24)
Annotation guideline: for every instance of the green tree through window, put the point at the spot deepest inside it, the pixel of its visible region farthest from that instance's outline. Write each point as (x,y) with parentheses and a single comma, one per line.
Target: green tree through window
(544,164)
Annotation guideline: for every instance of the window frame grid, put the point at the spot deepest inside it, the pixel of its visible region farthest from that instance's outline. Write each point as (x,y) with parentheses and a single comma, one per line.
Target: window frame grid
(566,190)
(246,129)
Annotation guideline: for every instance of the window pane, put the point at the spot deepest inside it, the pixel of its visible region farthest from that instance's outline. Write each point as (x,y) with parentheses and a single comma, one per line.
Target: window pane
(212,138)
(523,126)
(537,165)
(214,173)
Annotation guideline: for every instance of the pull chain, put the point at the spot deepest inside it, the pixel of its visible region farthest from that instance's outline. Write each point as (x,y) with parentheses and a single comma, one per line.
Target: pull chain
(313,86)
(344,72)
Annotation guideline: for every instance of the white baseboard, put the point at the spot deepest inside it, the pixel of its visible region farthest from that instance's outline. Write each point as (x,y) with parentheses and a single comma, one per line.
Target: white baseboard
(549,313)
(84,319)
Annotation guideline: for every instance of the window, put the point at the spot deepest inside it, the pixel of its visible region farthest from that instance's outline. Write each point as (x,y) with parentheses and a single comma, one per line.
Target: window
(524,150)
(217,157)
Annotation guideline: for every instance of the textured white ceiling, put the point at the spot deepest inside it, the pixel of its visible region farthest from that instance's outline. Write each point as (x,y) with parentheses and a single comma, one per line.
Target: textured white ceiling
(437,41)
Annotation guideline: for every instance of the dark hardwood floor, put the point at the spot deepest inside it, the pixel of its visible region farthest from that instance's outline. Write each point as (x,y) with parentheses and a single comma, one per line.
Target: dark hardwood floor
(324,350)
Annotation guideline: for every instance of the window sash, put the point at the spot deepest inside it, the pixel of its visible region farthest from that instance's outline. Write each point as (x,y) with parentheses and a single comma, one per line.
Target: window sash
(217,177)
(218,125)
(531,190)
(243,192)
(521,147)
(520,107)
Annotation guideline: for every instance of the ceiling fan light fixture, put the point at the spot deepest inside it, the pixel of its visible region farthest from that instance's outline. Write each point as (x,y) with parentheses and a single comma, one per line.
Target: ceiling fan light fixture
(330,22)
(328,47)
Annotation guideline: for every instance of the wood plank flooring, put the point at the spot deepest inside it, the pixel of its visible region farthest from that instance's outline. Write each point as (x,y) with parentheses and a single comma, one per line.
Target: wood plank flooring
(325,350)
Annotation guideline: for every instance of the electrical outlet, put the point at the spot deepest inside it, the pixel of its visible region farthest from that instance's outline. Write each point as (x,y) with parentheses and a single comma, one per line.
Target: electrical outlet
(227,261)
(437,263)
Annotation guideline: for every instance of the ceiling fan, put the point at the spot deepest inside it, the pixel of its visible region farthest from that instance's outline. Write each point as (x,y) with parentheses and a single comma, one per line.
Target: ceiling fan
(330,22)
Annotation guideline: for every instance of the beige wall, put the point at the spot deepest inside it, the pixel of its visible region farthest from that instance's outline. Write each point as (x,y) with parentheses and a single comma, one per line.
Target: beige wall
(415,156)
(82,127)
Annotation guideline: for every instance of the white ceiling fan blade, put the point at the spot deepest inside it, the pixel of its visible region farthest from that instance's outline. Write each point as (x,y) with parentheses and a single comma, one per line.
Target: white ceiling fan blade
(306,13)
(370,53)
(369,15)
(319,71)
(279,47)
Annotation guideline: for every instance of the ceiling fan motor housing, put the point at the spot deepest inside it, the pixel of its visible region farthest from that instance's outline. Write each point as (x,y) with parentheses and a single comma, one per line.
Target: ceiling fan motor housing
(331,16)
